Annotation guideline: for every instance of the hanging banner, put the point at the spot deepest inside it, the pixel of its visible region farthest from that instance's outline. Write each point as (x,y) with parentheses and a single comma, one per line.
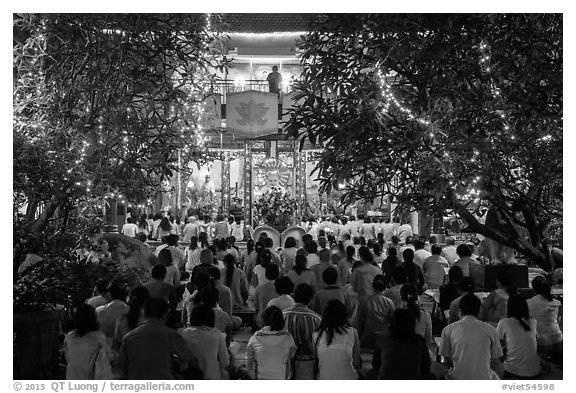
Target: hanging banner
(252,114)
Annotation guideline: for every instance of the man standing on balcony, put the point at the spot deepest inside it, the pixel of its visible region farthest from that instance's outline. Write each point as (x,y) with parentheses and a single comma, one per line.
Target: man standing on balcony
(274,80)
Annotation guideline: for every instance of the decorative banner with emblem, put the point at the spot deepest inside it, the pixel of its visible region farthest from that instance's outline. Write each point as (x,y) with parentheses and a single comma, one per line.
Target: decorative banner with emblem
(252,114)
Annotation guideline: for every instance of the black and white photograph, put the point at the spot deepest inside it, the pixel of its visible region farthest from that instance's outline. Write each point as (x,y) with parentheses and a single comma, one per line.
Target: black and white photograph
(323,195)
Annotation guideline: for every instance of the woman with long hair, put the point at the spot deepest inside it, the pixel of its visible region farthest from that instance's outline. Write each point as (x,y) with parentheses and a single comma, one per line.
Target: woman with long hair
(413,271)
(336,344)
(270,349)
(192,254)
(252,259)
(259,272)
(172,273)
(345,266)
(143,225)
(547,311)
(449,291)
(401,354)
(135,316)
(165,228)
(288,254)
(518,334)
(422,320)
(494,306)
(301,274)
(82,343)
(235,279)
(246,254)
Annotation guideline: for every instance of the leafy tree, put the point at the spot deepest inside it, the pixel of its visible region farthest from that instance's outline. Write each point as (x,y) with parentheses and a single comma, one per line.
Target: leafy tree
(441,112)
(104,103)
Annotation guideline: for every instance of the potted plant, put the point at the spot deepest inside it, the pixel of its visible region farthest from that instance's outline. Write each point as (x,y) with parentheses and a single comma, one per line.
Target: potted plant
(277,209)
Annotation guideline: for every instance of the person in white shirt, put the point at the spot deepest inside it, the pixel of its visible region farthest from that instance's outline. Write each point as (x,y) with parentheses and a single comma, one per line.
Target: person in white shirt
(546,310)
(387,230)
(191,229)
(237,229)
(471,347)
(449,251)
(312,228)
(367,229)
(518,334)
(404,232)
(420,254)
(345,229)
(130,229)
(406,246)
(284,287)
(433,268)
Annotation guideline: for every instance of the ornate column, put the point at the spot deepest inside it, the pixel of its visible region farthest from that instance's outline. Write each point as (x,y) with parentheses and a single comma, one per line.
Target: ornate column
(248,183)
(225,157)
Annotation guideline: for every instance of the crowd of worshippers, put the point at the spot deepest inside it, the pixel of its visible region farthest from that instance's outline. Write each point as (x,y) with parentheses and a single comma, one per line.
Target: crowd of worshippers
(317,307)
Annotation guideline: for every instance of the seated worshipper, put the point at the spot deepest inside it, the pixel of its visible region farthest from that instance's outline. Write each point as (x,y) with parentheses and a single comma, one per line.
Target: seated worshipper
(206,263)
(465,258)
(244,255)
(449,292)
(301,322)
(178,257)
(471,347)
(270,350)
(233,248)
(373,313)
(284,288)
(449,251)
(324,257)
(465,287)
(400,353)
(263,259)
(378,256)
(363,275)
(420,253)
(191,229)
(207,343)
(433,268)
(414,273)
(81,343)
(133,318)
(102,295)
(224,294)
(390,263)
(159,289)
(518,336)
(221,249)
(221,228)
(110,312)
(265,292)
(301,274)
(422,320)
(332,291)
(235,280)
(408,245)
(252,260)
(345,266)
(99,254)
(312,257)
(269,244)
(149,351)
(336,344)
(192,254)
(395,285)
(288,254)
(494,306)
(547,311)
(172,272)
(222,321)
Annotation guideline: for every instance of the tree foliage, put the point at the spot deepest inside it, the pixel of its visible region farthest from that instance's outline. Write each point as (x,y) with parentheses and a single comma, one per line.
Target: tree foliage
(104,102)
(442,112)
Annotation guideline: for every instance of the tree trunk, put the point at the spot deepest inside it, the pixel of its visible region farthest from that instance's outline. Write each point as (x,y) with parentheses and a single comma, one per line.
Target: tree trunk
(49,209)
(535,254)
